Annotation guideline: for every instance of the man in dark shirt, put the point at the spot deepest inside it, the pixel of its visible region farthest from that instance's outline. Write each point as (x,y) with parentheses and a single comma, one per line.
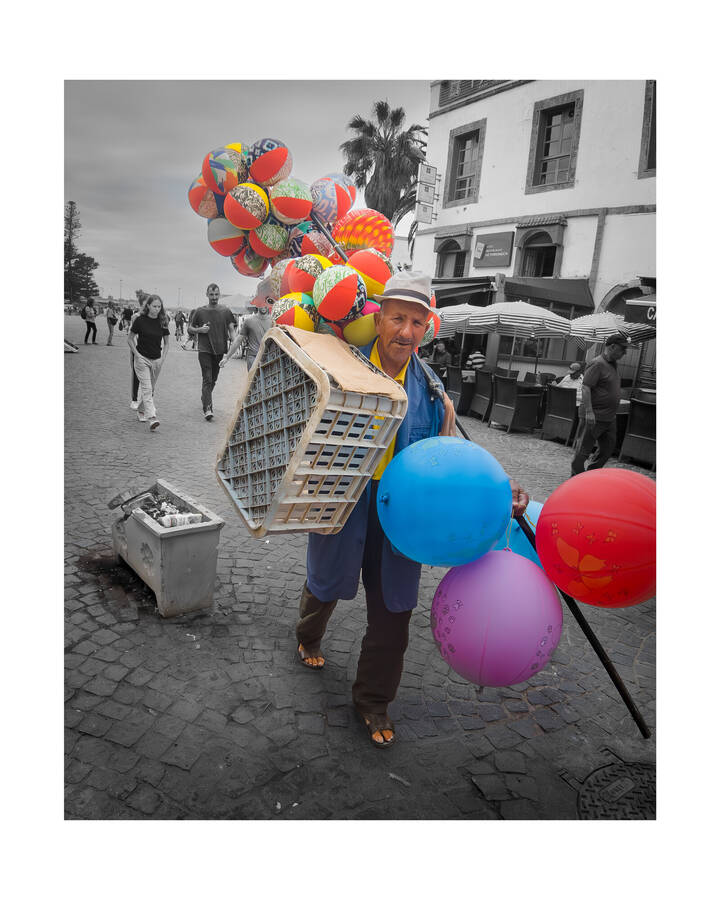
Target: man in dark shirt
(600,401)
(212,324)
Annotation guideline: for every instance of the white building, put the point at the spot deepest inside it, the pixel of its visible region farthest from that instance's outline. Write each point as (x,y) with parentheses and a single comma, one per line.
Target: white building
(546,193)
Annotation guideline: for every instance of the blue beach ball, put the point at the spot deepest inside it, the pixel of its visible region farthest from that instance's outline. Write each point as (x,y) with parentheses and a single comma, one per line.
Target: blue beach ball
(444,501)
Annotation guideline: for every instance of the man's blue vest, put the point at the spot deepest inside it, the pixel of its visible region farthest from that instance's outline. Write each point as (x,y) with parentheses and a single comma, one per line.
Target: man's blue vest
(334,560)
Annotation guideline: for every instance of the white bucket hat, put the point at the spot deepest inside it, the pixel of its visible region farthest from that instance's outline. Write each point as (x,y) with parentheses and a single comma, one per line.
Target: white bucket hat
(414,287)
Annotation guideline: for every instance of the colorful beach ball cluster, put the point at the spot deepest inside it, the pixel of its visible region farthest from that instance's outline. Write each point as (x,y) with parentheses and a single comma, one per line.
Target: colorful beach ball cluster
(262,218)
(496,616)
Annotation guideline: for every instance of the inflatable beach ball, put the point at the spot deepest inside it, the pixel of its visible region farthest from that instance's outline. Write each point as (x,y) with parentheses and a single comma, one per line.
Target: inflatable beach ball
(325,327)
(302,273)
(595,537)
(347,181)
(339,293)
(246,206)
(247,262)
(225,238)
(224,169)
(297,233)
(373,267)
(331,200)
(240,148)
(278,279)
(290,201)
(271,161)
(363,228)
(361,331)
(295,309)
(316,242)
(203,201)
(270,238)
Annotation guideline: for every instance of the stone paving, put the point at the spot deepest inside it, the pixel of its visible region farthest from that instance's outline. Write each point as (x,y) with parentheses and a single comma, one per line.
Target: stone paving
(210,716)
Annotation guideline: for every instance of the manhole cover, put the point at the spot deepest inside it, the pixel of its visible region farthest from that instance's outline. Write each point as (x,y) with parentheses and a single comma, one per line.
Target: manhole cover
(618,791)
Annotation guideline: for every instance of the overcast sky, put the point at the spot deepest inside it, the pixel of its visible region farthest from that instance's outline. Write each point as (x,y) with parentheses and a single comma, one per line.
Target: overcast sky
(132,148)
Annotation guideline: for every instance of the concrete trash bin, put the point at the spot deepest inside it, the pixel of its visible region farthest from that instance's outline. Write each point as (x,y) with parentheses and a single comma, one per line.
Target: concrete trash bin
(179,563)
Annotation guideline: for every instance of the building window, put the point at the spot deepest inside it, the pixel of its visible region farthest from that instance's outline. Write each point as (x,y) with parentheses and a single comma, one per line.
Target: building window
(451,261)
(538,260)
(465,152)
(554,143)
(646,166)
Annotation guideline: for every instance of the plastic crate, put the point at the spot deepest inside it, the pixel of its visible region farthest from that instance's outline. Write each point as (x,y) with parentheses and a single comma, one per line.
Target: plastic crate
(302,447)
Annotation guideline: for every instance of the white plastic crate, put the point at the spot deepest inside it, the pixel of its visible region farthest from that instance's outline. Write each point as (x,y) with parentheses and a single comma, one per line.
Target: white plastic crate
(308,433)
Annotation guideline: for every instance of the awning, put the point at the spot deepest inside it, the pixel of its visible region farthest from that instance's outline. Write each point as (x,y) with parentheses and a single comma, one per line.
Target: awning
(642,309)
(447,289)
(575,291)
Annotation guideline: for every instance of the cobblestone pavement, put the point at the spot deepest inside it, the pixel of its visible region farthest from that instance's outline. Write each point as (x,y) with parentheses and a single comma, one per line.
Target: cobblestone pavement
(209,715)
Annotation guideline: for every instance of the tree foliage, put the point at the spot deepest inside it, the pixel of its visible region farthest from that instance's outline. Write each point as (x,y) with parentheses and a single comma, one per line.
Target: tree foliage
(383,159)
(79,280)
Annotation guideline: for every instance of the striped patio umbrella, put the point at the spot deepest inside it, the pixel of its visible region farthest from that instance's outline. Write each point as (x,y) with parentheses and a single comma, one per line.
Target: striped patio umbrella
(454,319)
(596,327)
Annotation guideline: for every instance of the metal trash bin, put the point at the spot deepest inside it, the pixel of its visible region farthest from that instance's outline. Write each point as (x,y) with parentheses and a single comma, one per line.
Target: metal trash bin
(179,563)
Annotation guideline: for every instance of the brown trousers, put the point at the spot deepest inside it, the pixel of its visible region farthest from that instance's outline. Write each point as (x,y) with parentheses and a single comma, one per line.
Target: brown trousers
(386,636)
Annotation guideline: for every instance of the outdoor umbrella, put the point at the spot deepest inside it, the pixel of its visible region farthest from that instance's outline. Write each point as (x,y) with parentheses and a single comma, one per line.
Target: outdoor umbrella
(517,319)
(454,318)
(596,327)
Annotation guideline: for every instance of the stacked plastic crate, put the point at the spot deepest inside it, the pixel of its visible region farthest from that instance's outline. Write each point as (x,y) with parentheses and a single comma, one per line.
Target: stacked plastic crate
(308,433)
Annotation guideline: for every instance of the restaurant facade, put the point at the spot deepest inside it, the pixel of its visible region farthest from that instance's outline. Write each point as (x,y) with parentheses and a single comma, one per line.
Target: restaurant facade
(542,191)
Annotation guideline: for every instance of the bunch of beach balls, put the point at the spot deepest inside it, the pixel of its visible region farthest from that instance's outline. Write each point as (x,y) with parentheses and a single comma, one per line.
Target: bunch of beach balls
(262,218)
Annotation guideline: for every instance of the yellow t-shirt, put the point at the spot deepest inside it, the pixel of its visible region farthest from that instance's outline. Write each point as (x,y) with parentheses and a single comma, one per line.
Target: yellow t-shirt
(400,378)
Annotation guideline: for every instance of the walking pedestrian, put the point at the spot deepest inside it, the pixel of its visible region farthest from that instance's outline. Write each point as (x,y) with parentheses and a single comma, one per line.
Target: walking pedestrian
(179,324)
(111,318)
(212,324)
(149,341)
(600,401)
(191,338)
(391,581)
(88,313)
(126,318)
(251,332)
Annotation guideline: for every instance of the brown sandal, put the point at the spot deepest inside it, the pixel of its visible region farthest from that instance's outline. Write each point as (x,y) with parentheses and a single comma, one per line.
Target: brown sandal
(378,723)
(306,655)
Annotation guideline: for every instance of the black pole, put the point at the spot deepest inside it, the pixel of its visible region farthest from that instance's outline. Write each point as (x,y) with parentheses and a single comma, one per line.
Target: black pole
(326,233)
(586,629)
(595,644)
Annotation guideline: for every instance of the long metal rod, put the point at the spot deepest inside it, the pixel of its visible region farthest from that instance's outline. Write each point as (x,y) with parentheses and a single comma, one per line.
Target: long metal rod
(587,631)
(324,231)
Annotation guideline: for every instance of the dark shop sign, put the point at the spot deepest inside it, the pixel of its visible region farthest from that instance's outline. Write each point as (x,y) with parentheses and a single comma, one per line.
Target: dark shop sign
(493,250)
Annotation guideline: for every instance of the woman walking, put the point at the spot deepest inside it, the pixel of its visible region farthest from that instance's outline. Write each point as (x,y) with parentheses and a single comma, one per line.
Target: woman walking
(112,317)
(90,326)
(149,341)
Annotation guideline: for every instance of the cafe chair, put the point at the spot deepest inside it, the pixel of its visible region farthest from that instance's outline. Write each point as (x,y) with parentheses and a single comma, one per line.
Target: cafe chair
(459,391)
(515,406)
(547,377)
(530,378)
(439,370)
(507,373)
(483,394)
(639,440)
(560,414)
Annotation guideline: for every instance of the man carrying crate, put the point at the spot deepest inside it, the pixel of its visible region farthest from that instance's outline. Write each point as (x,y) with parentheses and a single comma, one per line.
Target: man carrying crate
(391,581)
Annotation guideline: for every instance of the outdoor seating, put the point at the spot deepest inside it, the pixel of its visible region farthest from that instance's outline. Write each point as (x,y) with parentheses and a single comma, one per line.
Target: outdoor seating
(507,373)
(482,397)
(438,370)
(515,406)
(459,391)
(560,414)
(530,378)
(547,377)
(639,440)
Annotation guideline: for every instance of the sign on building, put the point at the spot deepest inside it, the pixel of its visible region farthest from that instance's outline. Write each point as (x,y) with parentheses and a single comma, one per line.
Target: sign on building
(493,250)
(424,213)
(427,174)
(641,310)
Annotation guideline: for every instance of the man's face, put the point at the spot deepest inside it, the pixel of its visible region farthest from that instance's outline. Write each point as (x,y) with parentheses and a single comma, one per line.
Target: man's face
(400,326)
(574,373)
(614,352)
(213,294)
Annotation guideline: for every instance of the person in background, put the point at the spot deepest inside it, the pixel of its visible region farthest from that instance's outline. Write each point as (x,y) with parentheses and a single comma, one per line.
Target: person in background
(573,379)
(252,331)
(440,356)
(600,401)
(125,318)
(213,324)
(191,338)
(179,324)
(111,316)
(149,340)
(476,360)
(90,326)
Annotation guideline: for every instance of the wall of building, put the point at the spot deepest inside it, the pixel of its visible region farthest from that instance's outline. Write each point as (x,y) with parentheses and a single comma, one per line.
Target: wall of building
(628,250)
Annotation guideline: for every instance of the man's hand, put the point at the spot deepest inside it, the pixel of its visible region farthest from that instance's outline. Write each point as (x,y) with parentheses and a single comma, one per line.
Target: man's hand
(520,499)
(590,418)
(223,361)
(203,329)
(448,425)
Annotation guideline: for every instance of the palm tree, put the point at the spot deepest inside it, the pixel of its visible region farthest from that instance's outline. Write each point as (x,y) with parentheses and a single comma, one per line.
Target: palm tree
(383,160)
